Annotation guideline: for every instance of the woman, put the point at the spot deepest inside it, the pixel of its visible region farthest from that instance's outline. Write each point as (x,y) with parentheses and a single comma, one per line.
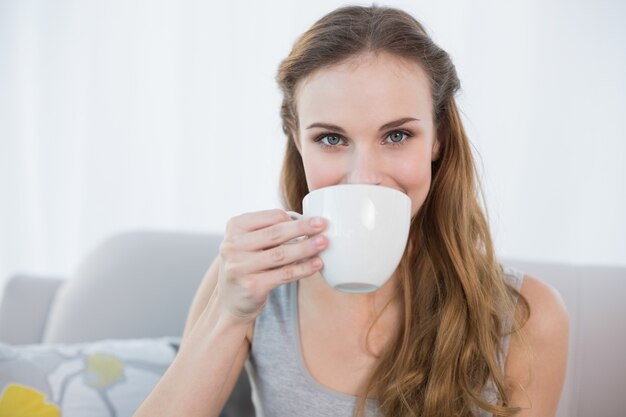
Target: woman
(369,98)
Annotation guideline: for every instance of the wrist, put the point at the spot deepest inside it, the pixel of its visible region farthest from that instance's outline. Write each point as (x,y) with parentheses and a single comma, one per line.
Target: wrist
(224,323)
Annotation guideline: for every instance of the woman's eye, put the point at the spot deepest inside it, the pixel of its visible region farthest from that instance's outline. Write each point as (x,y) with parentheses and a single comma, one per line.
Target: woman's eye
(331,140)
(397,137)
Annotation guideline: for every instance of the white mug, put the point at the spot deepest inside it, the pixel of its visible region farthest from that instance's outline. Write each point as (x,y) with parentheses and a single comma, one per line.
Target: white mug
(368,227)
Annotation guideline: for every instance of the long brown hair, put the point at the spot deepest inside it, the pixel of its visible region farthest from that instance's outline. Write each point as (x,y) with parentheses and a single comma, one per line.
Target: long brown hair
(455,297)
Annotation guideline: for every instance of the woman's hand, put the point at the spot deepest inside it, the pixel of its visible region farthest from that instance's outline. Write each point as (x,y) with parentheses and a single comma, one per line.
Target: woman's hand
(255,257)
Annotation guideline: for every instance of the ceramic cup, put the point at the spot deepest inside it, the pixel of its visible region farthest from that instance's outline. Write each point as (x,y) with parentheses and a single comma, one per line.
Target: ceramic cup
(368,227)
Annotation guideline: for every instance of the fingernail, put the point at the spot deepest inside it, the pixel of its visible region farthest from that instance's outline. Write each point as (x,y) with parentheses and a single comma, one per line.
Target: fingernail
(316,222)
(318,241)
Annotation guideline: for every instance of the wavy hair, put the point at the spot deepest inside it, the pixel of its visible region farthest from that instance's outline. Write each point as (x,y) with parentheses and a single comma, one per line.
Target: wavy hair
(456,301)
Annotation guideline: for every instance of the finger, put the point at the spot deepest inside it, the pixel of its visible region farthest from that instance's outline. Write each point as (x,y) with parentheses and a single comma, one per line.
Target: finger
(280,233)
(249,222)
(287,254)
(288,273)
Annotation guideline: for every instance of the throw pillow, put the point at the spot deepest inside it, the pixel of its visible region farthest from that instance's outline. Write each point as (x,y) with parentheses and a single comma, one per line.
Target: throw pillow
(108,378)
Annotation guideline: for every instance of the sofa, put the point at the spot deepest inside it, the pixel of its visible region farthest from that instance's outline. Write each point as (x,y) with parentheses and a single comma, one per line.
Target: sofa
(139,285)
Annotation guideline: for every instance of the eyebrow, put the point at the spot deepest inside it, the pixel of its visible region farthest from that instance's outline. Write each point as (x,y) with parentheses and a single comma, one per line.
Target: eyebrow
(386,126)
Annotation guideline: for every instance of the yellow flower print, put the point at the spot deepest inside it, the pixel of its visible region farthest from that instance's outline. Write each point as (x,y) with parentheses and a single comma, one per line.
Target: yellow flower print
(22,401)
(103,370)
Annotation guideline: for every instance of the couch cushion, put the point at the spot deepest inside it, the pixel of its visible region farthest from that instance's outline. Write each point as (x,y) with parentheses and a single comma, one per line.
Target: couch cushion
(133,285)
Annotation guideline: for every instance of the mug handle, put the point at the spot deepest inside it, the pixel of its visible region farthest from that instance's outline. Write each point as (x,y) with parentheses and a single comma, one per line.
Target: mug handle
(294,215)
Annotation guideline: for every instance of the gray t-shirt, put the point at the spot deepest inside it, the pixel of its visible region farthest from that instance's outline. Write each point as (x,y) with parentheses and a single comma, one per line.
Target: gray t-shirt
(281,382)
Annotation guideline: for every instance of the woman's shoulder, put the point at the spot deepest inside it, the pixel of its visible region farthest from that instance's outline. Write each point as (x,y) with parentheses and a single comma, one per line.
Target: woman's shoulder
(545,302)
(535,365)
(547,309)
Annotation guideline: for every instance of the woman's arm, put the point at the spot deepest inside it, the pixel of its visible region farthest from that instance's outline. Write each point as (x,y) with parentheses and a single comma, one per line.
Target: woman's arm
(536,362)
(210,359)
(253,259)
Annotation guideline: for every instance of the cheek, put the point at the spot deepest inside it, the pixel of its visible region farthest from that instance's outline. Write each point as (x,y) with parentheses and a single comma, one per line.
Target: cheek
(320,171)
(415,179)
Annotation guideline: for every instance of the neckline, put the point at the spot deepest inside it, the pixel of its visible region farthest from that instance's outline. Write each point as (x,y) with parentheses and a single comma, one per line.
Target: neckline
(513,274)
(293,296)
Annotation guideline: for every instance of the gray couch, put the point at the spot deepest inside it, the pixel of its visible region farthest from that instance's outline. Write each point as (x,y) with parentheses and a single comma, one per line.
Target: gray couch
(141,284)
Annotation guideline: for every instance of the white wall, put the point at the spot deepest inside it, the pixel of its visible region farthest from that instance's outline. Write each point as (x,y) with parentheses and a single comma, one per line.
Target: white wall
(164,114)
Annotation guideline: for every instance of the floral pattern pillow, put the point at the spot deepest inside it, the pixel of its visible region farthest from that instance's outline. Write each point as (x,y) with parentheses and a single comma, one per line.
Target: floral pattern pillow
(108,378)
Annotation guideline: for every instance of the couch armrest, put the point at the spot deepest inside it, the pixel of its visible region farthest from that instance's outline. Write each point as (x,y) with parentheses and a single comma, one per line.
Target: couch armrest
(24,308)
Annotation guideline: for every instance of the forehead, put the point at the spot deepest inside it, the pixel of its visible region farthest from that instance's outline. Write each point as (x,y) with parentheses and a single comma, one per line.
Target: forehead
(367,87)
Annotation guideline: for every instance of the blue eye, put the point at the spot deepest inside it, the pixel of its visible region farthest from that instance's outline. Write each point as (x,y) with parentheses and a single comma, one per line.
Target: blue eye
(397,137)
(329,140)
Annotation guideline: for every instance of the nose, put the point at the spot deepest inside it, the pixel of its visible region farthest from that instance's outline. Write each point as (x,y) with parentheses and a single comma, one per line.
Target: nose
(364,168)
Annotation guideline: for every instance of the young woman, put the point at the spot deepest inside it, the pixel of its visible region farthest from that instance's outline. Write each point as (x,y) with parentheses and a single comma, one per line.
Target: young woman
(369,98)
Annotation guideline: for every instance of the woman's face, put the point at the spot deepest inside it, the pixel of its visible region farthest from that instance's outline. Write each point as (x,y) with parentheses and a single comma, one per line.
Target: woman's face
(368,121)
